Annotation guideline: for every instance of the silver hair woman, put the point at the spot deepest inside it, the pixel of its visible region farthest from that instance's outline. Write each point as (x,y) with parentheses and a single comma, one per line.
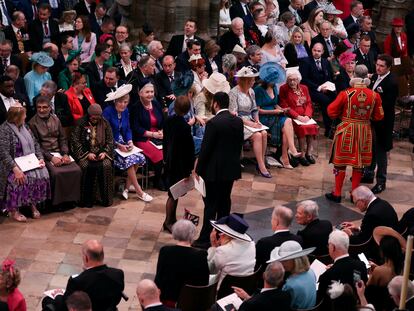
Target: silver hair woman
(180,264)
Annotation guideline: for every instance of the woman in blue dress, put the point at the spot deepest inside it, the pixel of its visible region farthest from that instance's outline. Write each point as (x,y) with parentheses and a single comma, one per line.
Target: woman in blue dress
(272,115)
(118,117)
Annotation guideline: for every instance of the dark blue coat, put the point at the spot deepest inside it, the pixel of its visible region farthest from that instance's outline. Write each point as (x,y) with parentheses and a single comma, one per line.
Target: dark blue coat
(140,119)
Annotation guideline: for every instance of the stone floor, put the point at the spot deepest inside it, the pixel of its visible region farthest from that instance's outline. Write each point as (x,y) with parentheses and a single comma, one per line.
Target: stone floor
(48,250)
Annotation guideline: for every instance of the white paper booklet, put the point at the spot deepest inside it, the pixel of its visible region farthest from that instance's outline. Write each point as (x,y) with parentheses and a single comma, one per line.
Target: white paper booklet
(58,155)
(54,292)
(254,130)
(123,154)
(364,259)
(231,300)
(182,187)
(328,85)
(318,268)
(156,146)
(28,162)
(310,121)
(200,186)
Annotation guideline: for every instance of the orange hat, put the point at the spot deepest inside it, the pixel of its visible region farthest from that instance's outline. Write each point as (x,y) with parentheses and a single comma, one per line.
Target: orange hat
(397,22)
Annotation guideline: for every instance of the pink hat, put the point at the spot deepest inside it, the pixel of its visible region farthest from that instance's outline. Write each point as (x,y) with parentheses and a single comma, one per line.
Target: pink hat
(346,57)
(104,37)
(399,22)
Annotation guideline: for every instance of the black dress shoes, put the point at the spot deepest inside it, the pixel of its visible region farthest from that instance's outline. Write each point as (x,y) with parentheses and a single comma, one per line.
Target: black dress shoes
(303,161)
(331,197)
(310,159)
(378,188)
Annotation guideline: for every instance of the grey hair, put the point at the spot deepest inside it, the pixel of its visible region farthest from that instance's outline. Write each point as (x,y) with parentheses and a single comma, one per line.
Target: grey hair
(184,231)
(251,50)
(295,73)
(237,20)
(152,45)
(274,273)
(340,239)
(283,214)
(361,76)
(229,61)
(362,193)
(51,85)
(395,285)
(310,207)
(125,46)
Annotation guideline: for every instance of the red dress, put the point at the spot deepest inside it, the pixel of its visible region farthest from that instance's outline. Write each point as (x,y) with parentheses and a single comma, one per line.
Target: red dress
(15,301)
(352,143)
(300,105)
(148,149)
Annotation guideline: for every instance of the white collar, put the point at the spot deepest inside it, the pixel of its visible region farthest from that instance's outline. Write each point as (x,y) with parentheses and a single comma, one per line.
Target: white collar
(188,38)
(340,257)
(383,76)
(281,230)
(267,289)
(15,29)
(153,305)
(221,110)
(372,200)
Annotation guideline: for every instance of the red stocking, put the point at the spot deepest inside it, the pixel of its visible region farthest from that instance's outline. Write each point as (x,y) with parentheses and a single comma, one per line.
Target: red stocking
(339,180)
(356,178)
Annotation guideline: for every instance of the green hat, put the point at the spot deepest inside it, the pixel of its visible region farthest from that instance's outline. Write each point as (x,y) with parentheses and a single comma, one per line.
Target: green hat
(72,55)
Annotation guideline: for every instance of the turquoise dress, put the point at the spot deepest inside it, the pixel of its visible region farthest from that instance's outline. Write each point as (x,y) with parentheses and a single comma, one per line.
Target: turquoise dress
(302,290)
(33,82)
(273,122)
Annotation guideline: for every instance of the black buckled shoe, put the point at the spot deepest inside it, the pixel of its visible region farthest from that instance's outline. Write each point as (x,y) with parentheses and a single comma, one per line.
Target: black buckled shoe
(378,188)
(310,159)
(331,197)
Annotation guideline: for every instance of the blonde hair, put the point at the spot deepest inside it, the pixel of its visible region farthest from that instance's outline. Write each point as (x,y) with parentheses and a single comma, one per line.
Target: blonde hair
(15,114)
(301,264)
(297,30)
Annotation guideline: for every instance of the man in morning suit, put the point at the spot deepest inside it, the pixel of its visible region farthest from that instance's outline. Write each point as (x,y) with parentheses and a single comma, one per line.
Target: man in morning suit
(164,79)
(240,8)
(377,213)
(43,29)
(315,71)
(271,297)
(85,7)
(343,269)
(109,83)
(96,69)
(281,219)
(17,34)
(296,8)
(326,38)
(7,58)
(178,43)
(232,37)
(357,10)
(317,231)
(149,297)
(365,55)
(365,23)
(385,84)
(104,285)
(219,163)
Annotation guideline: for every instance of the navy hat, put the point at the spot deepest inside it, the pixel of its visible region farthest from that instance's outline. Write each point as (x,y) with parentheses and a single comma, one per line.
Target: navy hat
(182,84)
(233,226)
(353,29)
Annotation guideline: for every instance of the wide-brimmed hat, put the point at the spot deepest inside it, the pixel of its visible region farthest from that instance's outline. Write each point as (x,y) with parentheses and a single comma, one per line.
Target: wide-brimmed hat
(182,83)
(42,58)
(217,82)
(247,72)
(71,13)
(399,22)
(289,250)
(238,49)
(382,231)
(233,226)
(331,9)
(195,57)
(119,92)
(272,72)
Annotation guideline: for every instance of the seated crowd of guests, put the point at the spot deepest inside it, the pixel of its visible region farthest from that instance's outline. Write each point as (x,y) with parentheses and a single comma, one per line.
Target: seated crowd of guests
(280,263)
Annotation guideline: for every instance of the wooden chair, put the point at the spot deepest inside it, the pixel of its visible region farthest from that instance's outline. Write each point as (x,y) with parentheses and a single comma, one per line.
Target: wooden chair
(197,298)
(247,282)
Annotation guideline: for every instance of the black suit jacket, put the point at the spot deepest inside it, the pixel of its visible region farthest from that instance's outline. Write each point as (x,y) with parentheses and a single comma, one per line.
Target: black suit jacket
(176,45)
(236,10)
(94,24)
(311,76)
(320,39)
(10,35)
(379,213)
(268,301)
(14,60)
(374,45)
(25,103)
(369,60)
(104,286)
(99,93)
(265,246)
(92,71)
(342,80)
(388,90)
(409,26)
(348,21)
(36,34)
(177,266)
(342,270)
(316,234)
(219,158)
(163,85)
(26,7)
(81,9)
(227,42)
(62,109)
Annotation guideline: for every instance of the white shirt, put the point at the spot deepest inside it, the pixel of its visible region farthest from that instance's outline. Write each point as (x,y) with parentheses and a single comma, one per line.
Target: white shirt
(221,110)
(372,200)
(126,67)
(52,104)
(379,79)
(245,9)
(185,42)
(7,101)
(282,230)
(242,40)
(88,6)
(4,19)
(154,305)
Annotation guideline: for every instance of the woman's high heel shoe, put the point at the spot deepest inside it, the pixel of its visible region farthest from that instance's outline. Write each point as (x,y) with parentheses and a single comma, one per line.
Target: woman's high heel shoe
(287,166)
(265,175)
(295,155)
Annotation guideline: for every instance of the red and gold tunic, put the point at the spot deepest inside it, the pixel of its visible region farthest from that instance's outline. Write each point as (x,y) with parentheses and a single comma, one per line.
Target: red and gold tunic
(352,144)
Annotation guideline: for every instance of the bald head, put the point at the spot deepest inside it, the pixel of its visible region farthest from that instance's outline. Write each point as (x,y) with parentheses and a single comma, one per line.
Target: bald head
(93,253)
(52,49)
(281,217)
(147,292)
